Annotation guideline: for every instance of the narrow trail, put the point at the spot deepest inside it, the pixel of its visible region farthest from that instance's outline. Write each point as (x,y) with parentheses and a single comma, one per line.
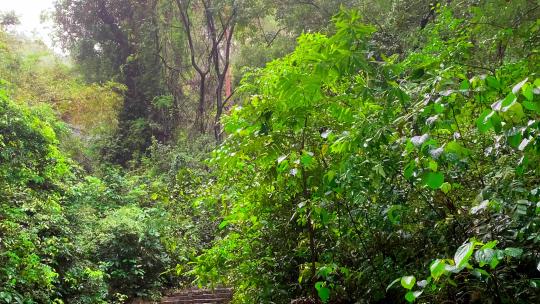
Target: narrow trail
(198,296)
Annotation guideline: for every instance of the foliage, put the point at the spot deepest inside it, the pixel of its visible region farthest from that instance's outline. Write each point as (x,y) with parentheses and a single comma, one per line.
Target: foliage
(486,256)
(339,167)
(42,79)
(395,146)
(125,244)
(33,227)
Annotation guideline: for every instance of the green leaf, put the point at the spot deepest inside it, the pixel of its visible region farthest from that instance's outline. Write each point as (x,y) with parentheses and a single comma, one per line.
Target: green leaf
(463,254)
(322,291)
(412,295)
(490,245)
(515,112)
(479,272)
(433,165)
(434,180)
(528,92)
(507,102)
(379,169)
(437,268)
(513,252)
(484,256)
(518,86)
(306,159)
(409,169)
(515,139)
(439,108)
(533,106)
(464,85)
(394,214)
(483,123)
(493,82)
(498,256)
(324,294)
(496,122)
(456,148)
(329,176)
(446,187)
(408,282)
(325,271)
(223,224)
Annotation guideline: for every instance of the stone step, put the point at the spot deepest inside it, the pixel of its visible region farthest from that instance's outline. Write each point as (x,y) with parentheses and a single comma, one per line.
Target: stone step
(197,301)
(186,297)
(191,297)
(200,296)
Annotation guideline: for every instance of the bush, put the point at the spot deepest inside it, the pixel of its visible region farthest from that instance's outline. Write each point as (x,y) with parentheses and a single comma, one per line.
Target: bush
(33,227)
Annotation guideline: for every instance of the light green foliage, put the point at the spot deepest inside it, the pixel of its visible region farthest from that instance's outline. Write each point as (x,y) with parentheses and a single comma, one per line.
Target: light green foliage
(33,227)
(52,86)
(486,257)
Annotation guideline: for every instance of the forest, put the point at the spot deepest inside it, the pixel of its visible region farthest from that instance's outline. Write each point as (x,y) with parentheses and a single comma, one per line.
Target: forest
(294,151)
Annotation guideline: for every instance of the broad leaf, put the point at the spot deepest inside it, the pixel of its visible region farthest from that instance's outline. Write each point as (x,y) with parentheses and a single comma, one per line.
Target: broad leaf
(463,254)
(513,252)
(322,291)
(434,180)
(408,282)
(412,295)
(518,86)
(437,268)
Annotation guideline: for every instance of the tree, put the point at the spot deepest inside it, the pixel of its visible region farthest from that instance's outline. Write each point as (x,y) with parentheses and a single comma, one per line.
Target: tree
(8,19)
(219,19)
(116,39)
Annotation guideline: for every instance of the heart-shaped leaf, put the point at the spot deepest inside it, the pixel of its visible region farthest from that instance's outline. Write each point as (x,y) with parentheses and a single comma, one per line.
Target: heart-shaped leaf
(408,282)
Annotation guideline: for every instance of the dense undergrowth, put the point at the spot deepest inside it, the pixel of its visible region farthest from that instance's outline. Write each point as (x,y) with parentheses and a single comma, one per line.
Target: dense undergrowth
(68,236)
(344,172)
(347,175)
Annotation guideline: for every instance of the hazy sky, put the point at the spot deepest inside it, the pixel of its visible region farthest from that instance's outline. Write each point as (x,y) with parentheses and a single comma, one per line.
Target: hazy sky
(29,12)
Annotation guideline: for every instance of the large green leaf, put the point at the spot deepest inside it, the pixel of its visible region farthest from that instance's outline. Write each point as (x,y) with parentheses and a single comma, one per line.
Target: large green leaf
(463,254)
(434,180)
(483,123)
(513,252)
(322,291)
